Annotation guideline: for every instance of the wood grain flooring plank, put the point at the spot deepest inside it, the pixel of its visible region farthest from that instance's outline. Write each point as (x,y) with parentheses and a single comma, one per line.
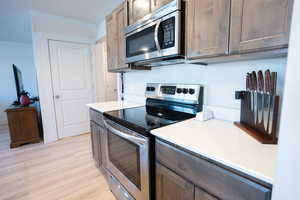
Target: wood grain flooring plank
(62,170)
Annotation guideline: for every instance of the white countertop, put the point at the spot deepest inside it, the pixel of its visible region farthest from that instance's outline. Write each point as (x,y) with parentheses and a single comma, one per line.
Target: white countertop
(225,143)
(112,105)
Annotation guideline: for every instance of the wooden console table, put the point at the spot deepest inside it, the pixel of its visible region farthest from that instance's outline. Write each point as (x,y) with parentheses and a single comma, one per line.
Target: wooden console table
(25,124)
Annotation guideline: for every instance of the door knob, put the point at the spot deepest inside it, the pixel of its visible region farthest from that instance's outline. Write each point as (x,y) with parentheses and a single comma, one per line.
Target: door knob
(57,96)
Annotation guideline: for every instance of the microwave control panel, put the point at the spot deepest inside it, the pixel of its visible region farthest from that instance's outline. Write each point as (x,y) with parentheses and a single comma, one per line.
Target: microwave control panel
(167,33)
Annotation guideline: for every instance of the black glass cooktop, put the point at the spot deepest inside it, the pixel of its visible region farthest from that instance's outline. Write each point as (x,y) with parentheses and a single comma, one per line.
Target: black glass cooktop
(146,118)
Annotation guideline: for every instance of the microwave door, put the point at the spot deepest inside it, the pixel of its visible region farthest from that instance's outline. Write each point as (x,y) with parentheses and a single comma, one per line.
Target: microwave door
(141,45)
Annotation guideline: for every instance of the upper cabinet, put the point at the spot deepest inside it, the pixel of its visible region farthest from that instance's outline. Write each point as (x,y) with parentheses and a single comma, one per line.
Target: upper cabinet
(138,9)
(111,41)
(122,23)
(155,4)
(207,28)
(259,25)
(116,22)
(214,30)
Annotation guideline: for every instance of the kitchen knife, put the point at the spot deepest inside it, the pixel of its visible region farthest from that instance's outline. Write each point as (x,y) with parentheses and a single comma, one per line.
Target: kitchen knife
(260,101)
(250,88)
(267,98)
(272,100)
(254,85)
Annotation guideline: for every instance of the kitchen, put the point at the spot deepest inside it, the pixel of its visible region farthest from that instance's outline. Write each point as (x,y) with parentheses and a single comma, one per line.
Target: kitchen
(182,58)
(157,100)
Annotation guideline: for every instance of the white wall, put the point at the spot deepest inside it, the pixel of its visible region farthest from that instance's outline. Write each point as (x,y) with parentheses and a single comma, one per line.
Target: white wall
(45,28)
(288,173)
(220,81)
(21,55)
(101,30)
(62,26)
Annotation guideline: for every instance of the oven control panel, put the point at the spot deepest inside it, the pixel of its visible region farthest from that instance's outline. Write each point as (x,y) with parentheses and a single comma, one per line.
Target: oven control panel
(176,92)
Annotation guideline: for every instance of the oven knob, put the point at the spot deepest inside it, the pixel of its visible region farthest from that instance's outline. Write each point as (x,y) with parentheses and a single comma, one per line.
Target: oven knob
(148,88)
(192,91)
(179,90)
(152,89)
(185,90)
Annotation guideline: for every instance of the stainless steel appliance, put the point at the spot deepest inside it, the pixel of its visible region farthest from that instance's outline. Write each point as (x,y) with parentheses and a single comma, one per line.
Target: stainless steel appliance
(130,146)
(156,37)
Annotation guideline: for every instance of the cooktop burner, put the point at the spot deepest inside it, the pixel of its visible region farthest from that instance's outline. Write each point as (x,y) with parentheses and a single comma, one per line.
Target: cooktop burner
(144,119)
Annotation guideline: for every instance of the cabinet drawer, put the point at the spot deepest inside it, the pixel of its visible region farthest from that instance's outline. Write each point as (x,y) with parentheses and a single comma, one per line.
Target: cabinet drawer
(212,178)
(96,117)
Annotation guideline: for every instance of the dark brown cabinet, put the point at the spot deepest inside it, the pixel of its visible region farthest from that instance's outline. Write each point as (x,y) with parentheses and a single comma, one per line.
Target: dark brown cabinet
(207,28)
(170,186)
(25,124)
(138,9)
(155,4)
(111,42)
(202,195)
(98,139)
(96,143)
(122,23)
(259,25)
(116,22)
(179,173)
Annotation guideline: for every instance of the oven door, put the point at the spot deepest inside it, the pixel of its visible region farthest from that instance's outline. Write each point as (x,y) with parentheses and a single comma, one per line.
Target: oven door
(128,159)
(157,39)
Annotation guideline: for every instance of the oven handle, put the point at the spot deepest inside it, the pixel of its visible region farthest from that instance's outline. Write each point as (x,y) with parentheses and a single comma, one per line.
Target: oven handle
(156,36)
(135,139)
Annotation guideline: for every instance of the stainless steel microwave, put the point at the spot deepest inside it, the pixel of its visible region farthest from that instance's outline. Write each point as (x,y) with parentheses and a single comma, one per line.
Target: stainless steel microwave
(155,37)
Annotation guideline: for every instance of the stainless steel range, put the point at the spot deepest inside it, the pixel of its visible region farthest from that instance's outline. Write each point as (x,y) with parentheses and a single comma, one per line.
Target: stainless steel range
(130,145)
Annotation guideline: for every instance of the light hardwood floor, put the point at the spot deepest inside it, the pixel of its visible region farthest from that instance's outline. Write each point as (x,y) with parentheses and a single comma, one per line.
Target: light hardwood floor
(62,170)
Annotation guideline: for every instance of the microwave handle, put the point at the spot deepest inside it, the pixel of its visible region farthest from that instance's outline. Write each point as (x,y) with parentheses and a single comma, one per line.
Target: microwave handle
(156,36)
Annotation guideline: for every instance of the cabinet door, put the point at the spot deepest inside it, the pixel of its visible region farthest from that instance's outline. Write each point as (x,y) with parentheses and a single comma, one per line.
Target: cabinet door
(103,146)
(258,25)
(96,143)
(202,195)
(155,4)
(121,22)
(170,186)
(138,9)
(111,39)
(207,28)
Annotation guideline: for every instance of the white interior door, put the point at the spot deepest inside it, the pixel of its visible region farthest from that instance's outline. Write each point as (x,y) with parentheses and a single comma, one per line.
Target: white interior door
(72,86)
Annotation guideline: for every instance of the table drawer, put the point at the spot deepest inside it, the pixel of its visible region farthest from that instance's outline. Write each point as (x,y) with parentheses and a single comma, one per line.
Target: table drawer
(96,117)
(212,178)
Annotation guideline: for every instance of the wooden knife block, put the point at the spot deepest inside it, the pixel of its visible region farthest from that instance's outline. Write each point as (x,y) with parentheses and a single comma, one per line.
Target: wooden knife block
(257,130)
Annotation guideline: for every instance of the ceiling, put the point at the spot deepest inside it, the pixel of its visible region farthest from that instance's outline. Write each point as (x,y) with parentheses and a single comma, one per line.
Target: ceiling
(15,20)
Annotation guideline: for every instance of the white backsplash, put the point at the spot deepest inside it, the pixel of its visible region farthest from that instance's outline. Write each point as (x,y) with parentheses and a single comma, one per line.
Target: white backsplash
(220,82)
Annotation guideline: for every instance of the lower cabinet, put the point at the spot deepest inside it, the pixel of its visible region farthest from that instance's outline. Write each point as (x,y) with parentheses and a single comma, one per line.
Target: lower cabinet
(98,139)
(96,143)
(181,175)
(202,195)
(170,186)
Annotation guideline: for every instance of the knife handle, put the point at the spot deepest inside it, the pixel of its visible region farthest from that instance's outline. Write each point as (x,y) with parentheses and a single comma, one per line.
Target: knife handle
(274,83)
(254,80)
(268,81)
(260,81)
(247,82)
